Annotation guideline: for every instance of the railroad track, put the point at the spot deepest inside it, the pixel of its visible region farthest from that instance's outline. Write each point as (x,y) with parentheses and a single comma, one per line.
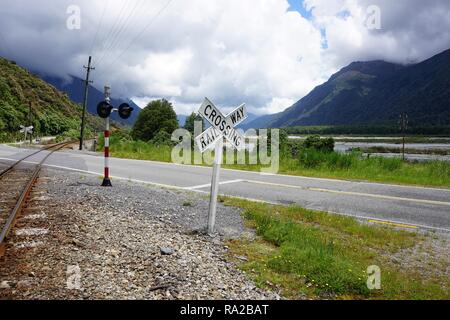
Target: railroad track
(15,187)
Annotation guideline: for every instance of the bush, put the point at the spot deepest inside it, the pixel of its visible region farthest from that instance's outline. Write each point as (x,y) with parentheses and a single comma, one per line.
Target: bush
(122,135)
(319,144)
(162,138)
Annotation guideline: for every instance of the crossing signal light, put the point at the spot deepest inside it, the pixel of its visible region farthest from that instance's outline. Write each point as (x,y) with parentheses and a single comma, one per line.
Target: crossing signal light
(104,109)
(125,111)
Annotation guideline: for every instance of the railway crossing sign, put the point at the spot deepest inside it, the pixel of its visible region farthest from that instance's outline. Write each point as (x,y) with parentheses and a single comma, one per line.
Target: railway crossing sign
(26,130)
(104,110)
(221,127)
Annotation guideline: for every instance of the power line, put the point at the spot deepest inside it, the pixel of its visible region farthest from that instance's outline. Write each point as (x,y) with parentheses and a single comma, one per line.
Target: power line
(152,20)
(99,26)
(124,27)
(115,26)
(117,35)
(113,31)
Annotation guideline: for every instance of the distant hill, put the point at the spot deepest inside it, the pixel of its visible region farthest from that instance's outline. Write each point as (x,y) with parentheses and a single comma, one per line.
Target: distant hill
(75,90)
(53,112)
(251,118)
(375,92)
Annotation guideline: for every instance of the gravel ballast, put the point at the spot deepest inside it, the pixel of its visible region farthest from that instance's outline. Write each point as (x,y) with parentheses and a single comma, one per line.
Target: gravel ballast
(130,241)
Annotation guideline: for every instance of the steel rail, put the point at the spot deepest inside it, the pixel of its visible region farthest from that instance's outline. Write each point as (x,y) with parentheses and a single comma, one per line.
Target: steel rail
(29,156)
(25,193)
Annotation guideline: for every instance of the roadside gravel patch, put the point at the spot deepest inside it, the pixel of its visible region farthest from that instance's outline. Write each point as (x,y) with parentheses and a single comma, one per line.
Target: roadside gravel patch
(430,258)
(108,243)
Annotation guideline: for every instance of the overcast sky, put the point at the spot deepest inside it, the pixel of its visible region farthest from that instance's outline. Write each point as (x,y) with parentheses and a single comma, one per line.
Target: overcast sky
(266,53)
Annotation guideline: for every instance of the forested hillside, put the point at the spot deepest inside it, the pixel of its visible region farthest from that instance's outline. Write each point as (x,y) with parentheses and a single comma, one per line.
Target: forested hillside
(53,113)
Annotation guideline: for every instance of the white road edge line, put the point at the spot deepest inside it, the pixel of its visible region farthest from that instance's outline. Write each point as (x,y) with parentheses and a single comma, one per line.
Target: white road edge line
(261,173)
(350,193)
(237,197)
(260,182)
(209,184)
(338,213)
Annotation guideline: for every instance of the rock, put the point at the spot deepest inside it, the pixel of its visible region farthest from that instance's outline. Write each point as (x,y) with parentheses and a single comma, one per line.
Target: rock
(115,253)
(23,284)
(242,258)
(5,285)
(167,251)
(78,243)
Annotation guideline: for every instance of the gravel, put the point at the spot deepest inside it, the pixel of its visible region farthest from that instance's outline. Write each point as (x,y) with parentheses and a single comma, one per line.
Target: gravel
(430,258)
(126,242)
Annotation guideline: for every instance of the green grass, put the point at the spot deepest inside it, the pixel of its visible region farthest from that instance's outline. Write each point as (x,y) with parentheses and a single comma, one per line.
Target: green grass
(350,166)
(310,254)
(139,150)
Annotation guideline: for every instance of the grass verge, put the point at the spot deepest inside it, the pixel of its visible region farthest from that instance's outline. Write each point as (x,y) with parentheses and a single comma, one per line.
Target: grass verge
(309,254)
(332,165)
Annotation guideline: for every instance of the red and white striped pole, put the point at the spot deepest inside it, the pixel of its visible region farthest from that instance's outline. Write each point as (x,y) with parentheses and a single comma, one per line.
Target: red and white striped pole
(106,180)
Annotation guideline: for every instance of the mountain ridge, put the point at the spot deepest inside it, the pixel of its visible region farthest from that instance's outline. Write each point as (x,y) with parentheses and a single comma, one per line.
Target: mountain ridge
(373,92)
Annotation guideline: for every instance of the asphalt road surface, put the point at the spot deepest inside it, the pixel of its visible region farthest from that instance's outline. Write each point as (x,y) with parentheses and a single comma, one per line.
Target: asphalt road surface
(409,207)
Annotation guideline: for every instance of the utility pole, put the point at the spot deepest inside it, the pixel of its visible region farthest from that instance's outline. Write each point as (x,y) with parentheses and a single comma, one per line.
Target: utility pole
(86,89)
(30,121)
(403,127)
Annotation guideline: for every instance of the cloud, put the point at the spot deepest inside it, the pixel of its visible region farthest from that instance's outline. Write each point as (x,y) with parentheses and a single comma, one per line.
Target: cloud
(411,30)
(232,51)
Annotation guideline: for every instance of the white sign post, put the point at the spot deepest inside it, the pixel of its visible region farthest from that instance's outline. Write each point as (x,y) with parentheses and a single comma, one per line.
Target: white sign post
(221,127)
(26,130)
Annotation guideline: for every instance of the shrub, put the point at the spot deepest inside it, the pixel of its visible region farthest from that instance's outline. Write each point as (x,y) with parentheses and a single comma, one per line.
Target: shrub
(319,144)
(311,158)
(162,138)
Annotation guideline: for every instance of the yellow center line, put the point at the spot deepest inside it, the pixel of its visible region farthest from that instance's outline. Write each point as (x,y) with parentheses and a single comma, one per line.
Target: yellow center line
(350,193)
(400,225)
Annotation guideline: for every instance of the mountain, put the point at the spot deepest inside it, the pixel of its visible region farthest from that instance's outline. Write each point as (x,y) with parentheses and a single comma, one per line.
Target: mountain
(53,112)
(374,92)
(75,90)
(251,117)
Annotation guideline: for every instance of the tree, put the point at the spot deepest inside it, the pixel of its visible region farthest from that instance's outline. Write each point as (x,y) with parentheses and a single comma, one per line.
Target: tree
(157,116)
(190,122)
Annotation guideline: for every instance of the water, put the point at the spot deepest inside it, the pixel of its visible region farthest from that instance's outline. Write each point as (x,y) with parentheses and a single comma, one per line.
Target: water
(347,146)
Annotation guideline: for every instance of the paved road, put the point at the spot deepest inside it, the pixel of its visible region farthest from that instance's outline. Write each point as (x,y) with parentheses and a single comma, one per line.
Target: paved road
(414,206)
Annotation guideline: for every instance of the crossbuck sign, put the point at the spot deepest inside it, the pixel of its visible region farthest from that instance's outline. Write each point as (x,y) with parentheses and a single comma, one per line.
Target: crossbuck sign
(221,127)
(26,130)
